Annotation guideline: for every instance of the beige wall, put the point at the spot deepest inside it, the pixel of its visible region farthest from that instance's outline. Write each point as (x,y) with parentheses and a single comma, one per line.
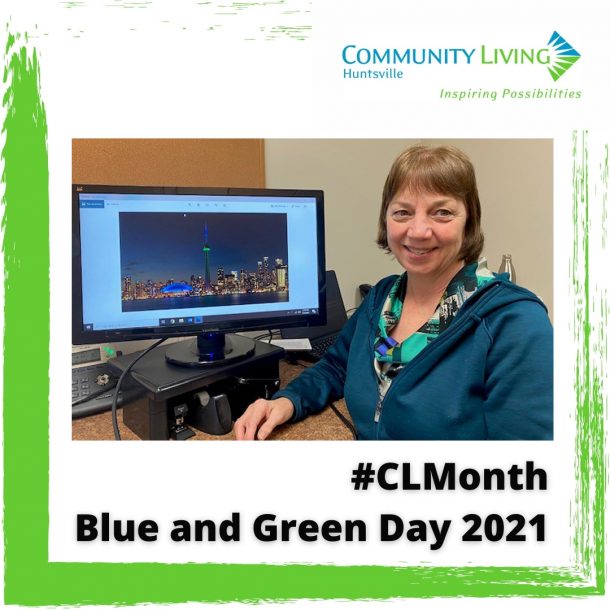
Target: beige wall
(515,179)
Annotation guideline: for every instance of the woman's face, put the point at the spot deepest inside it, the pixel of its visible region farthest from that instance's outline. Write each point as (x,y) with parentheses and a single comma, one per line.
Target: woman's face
(426,232)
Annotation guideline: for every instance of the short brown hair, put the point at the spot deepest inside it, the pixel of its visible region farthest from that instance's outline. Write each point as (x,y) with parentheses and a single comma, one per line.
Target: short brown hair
(445,170)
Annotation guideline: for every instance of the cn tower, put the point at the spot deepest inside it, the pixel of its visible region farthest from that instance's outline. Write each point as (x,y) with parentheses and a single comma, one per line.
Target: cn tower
(206,254)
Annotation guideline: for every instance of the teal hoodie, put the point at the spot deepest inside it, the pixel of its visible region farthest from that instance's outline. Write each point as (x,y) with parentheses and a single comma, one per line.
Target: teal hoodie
(488,376)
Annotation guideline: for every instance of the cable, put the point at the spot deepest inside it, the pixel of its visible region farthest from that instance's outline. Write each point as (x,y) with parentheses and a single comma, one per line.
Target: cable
(115,398)
(270,333)
(348,424)
(260,337)
(88,397)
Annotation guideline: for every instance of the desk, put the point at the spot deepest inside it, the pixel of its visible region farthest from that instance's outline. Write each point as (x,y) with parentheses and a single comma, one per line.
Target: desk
(322,426)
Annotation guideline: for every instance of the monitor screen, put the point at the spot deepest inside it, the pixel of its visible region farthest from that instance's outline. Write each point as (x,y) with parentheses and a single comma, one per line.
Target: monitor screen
(156,261)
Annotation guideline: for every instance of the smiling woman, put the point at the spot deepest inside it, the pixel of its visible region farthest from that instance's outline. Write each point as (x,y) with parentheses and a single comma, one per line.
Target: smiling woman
(445,351)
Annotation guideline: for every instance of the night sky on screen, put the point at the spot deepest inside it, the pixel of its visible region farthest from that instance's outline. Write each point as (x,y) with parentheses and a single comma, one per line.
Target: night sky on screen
(159,246)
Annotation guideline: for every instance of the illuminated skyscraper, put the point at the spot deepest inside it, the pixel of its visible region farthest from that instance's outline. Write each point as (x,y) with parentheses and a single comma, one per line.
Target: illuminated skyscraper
(259,274)
(128,291)
(281,273)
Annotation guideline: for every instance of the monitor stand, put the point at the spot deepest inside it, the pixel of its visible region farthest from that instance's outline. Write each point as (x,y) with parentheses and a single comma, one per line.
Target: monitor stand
(152,416)
(210,349)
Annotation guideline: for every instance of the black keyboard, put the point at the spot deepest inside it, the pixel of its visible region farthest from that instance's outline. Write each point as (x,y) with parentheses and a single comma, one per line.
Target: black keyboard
(319,347)
(93,390)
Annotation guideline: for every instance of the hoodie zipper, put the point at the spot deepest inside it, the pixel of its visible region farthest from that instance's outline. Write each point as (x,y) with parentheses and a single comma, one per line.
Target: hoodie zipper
(380,400)
(378,407)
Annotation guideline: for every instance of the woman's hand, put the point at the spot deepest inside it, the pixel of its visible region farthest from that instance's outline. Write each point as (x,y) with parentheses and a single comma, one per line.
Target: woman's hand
(262,416)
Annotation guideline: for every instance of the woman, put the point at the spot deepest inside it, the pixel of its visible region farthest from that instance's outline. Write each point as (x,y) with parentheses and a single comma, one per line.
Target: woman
(447,350)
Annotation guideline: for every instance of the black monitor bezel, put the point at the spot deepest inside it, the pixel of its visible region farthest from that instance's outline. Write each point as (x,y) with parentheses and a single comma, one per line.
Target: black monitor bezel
(82,337)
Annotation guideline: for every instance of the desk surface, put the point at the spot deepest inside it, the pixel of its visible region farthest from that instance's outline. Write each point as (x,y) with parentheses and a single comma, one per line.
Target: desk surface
(322,426)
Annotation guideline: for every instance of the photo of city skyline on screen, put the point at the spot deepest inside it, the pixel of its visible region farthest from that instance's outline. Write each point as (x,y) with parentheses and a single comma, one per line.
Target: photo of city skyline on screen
(175,260)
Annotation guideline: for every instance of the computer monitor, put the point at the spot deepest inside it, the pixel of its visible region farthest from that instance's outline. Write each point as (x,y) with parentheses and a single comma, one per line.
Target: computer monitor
(153,262)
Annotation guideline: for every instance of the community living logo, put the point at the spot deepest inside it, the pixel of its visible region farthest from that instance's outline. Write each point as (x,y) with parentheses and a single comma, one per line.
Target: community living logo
(558,56)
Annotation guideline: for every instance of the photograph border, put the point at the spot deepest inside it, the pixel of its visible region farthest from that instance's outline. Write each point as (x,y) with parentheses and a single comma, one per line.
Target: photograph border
(30,579)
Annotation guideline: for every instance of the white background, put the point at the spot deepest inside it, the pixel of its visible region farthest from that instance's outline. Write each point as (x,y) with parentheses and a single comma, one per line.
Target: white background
(161,72)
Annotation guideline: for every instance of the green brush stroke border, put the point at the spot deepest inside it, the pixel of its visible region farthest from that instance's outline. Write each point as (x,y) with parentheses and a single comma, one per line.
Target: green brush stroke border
(30,579)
